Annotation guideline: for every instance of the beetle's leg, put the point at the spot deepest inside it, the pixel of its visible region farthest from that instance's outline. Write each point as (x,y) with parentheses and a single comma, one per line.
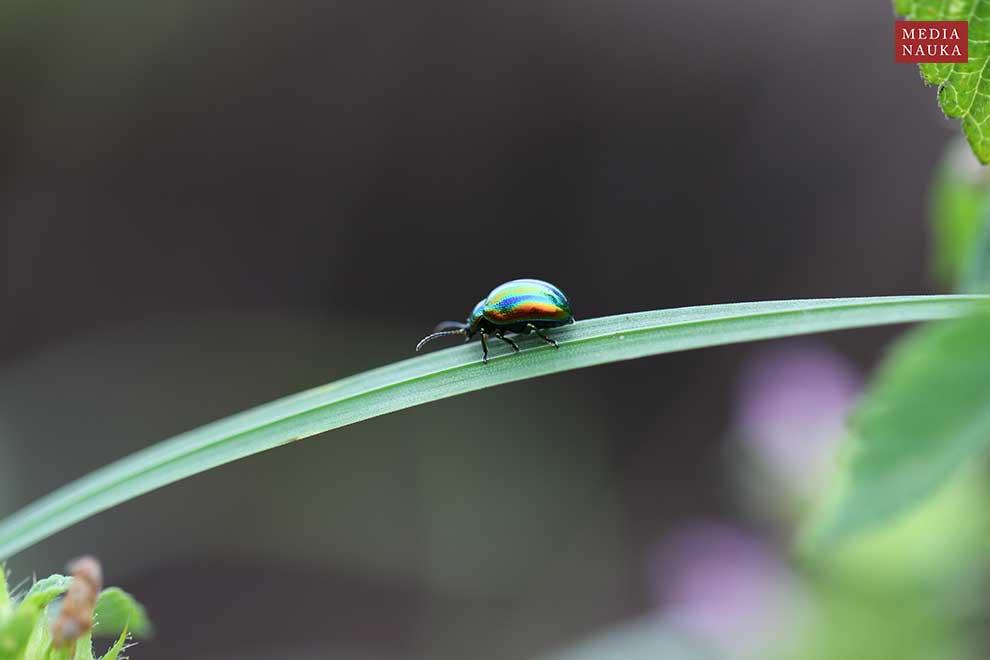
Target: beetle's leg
(484,348)
(508,341)
(542,336)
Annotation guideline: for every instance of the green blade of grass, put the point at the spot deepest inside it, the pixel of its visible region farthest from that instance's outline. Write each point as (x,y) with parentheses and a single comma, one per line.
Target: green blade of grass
(448,373)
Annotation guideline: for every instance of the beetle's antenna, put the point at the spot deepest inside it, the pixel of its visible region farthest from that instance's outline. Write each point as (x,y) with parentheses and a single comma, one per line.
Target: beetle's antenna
(442,333)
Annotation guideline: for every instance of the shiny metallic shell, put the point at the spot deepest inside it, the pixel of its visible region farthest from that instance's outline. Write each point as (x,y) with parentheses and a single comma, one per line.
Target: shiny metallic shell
(514,304)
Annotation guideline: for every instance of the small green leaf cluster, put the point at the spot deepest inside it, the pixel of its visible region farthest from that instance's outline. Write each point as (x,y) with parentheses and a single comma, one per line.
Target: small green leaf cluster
(25,622)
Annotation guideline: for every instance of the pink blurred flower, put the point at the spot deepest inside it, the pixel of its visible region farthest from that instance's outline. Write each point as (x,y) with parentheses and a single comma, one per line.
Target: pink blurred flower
(791,408)
(727,590)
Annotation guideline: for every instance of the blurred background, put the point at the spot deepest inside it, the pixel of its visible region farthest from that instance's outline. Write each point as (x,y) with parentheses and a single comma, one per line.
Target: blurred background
(204,206)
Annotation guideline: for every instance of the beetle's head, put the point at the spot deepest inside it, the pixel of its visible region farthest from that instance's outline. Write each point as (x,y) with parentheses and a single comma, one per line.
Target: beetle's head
(473,323)
(446,328)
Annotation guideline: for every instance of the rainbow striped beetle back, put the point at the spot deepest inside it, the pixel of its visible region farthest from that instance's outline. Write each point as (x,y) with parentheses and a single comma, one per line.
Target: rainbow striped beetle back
(513,305)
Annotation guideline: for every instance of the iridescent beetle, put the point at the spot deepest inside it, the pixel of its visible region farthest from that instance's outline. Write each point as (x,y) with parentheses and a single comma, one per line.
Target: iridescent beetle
(518,306)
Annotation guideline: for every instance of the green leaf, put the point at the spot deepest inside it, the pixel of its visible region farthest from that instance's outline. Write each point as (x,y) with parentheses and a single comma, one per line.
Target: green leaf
(935,553)
(976,273)
(84,647)
(962,88)
(39,644)
(960,202)
(843,623)
(15,631)
(117,647)
(45,591)
(4,594)
(927,413)
(61,653)
(449,373)
(117,610)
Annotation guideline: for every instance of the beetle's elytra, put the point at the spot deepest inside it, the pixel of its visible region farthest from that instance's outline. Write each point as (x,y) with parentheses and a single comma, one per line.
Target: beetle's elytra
(518,306)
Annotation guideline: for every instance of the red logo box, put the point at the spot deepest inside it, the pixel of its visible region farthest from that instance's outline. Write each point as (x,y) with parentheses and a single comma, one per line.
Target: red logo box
(918,42)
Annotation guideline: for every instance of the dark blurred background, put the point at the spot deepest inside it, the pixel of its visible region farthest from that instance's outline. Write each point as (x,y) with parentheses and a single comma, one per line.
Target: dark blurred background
(207,205)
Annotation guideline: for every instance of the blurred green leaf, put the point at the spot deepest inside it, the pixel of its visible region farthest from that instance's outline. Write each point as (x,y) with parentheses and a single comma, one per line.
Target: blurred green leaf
(116,610)
(845,625)
(976,273)
(935,553)
(39,644)
(45,591)
(961,87)
(926,414)
(4,594)
(959,207)
(84,648)
(70,651)
(449,373)
(15,631)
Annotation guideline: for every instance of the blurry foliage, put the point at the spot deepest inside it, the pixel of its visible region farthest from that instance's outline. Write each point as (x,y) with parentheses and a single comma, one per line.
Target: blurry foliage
(960,86)
(976,277)
(938,550)
(922,572)
(846,625)
(897,549)
(959,216)
(893,560)
(926,414)
(116,610)
(904,588)
(25,621)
